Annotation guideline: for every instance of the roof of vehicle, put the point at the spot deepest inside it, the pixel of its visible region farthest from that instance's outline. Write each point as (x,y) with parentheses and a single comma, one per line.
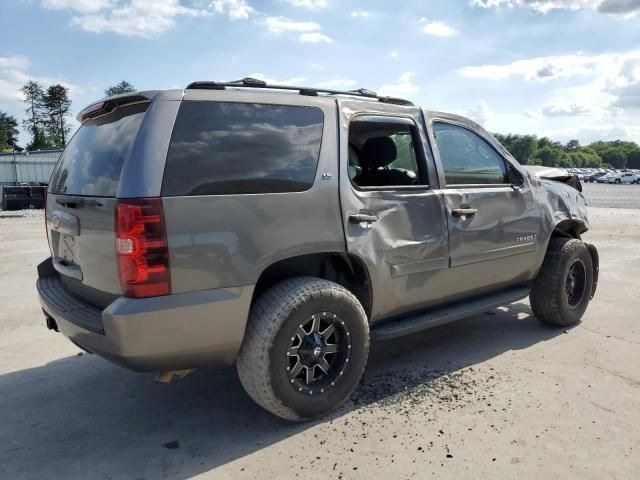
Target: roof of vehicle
(249,82)
(255,87)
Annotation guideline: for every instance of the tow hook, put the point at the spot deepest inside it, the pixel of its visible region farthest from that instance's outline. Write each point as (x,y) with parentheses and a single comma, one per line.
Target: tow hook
(170,375)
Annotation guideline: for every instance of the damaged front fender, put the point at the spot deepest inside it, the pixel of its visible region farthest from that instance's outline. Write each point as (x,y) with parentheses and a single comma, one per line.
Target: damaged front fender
(564,208)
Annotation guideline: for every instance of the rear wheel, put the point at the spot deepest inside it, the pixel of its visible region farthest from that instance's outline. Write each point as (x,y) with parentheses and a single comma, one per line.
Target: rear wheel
(305,348)
(618,180)
(562,290)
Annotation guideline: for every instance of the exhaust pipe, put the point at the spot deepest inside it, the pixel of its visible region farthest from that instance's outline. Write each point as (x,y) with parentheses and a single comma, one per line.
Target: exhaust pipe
(170,375)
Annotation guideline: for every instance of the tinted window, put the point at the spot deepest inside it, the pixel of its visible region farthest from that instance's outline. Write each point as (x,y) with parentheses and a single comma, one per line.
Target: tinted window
(226,148)
(467,158)
(383,154)
(92,162)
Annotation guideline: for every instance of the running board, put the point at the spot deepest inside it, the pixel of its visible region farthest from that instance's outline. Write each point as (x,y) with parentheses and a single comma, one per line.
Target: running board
(446,314)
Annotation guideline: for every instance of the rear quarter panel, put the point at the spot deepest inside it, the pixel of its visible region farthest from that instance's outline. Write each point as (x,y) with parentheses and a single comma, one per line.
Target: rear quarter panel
(220,241)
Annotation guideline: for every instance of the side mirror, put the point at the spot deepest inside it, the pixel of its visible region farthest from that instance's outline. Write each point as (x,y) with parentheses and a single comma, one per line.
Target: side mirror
(515,177)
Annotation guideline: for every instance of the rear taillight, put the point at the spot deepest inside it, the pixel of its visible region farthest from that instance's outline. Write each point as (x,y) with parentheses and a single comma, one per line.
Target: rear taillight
(141,247)
(46,221)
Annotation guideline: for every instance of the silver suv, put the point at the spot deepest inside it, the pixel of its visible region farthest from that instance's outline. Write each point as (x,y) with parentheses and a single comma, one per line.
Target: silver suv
(280,228)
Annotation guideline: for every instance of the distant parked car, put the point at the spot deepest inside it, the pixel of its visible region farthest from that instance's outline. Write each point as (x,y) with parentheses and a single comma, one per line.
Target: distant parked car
(594,176)
(622,177)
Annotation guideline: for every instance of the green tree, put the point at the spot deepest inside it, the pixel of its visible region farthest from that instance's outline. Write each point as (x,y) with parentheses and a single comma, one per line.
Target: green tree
(56,103)
(585,158)
(547,142)
(614,157)
(119,88)
(522,147)
(8,132)
(551,156)
(572,146)
(34,123)
(634,159)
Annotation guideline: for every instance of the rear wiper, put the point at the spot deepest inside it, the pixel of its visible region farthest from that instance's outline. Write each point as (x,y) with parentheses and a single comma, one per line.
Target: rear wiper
(76,202)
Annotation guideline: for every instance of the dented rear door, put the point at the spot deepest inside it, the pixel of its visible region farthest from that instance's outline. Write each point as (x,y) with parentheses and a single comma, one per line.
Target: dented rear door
(399,232)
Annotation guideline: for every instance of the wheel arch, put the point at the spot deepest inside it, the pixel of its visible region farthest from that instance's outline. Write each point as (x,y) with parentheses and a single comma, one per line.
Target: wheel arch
(569,228)
(340,267)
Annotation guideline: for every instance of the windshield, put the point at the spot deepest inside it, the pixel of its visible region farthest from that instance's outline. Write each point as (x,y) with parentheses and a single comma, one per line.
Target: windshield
(92,162)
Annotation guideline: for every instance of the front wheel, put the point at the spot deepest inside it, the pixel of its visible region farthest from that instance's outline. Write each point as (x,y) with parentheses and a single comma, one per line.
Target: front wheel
(305,348)
(618,180)
(561,292)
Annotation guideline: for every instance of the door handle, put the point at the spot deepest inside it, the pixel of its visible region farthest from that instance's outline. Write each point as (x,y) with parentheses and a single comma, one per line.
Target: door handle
(464,211)
(362,218)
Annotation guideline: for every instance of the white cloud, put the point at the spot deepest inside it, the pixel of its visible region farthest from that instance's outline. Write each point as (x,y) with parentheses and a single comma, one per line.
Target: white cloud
(274,81)
(561,107)
(404,87)
(393,54)
(310,31)
(437,29)
(142,18)
(620,8)
(602,83)
(310,4)
(84,6)
(315,37)
(360,14)
(284,24)
(13,75)
(593,132)
(480,113)
(235,9)
(19,62)
(551,67)
(337,84)
(627,97)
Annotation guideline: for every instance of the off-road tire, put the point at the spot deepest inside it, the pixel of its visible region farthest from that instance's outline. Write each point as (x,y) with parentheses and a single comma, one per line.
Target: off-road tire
(273,319)
(548,297)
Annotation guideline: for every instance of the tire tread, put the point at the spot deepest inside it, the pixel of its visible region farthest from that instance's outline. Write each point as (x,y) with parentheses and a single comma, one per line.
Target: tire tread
(266,318)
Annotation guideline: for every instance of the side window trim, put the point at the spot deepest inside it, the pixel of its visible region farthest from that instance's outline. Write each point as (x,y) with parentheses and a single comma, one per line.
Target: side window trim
(416,141)
(434,147)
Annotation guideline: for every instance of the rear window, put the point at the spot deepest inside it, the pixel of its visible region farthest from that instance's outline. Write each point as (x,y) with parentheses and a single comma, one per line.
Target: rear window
(234,148)
(92,162)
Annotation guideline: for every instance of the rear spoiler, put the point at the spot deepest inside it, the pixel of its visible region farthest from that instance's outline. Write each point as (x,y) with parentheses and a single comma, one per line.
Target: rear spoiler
(108,105)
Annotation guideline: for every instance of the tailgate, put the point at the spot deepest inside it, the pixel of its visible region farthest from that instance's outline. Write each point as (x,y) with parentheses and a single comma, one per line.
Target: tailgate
(82,241)
(81,203)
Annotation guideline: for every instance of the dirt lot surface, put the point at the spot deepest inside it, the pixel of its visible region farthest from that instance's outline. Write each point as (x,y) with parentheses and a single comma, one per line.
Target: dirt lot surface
(614,196)
(494,396)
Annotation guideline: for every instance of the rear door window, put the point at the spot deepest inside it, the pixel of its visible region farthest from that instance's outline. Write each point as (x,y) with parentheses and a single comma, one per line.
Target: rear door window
(222,148)
(92,162)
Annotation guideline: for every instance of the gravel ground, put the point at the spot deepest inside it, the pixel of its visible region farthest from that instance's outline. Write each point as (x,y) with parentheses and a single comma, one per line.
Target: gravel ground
(493,396)
(21,213)
(603,195)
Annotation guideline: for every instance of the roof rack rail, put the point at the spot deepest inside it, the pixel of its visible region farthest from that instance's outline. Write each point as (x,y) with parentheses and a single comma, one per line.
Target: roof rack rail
(249,82)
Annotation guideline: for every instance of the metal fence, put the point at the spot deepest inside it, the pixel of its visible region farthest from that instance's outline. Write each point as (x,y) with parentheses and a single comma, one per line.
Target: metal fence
(27,167)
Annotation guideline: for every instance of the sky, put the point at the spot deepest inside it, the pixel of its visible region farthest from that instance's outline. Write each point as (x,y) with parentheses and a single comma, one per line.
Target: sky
(559,68)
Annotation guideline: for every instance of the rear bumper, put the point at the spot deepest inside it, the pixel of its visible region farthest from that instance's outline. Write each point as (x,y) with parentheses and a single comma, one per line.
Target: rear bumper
(185,330)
